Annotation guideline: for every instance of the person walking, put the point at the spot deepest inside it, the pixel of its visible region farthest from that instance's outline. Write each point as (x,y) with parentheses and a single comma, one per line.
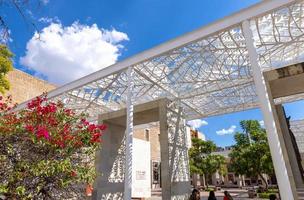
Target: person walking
(195,195)
(227,196)
(212,196)
(272,197)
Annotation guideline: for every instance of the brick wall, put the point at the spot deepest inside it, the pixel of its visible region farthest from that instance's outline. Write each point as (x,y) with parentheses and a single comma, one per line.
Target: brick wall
(24,86)
(139,133)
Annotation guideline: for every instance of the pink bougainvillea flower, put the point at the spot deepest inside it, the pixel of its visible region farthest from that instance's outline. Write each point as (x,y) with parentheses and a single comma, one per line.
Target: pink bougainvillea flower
(85,122)
(102,127)
(29,128)
(69,112)
(92,127)
(96,137)
(42,132)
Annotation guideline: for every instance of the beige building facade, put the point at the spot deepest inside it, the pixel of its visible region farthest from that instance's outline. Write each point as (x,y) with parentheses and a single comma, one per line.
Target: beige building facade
(23,86)
(150,132)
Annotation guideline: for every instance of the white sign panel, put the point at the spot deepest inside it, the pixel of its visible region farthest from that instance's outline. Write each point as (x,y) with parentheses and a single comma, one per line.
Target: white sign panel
(141,171)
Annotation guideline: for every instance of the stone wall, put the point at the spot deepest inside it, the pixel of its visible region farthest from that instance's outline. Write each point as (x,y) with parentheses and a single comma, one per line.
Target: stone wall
(24,86)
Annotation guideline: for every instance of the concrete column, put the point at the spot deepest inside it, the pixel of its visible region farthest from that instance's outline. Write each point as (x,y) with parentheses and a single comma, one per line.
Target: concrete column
(175,174)
(287,188)
(293,162)
(110,163)
(165,174)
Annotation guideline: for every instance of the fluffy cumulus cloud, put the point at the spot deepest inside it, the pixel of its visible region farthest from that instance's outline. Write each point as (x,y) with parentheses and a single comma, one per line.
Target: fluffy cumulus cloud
(197,123)
(228,131)
(62,54)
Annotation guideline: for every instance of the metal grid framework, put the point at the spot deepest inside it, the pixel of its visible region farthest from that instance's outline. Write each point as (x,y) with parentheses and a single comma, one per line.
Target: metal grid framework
(297,128)
(207,71)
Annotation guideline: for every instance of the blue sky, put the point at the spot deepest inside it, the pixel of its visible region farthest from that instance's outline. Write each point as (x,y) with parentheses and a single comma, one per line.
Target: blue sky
(217,123)
(127,28)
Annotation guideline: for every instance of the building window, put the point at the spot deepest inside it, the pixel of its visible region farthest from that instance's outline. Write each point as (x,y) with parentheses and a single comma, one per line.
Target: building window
(147,134)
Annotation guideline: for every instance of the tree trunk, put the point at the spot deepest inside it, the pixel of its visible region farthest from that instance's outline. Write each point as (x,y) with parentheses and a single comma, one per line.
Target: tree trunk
(194,180)
(203,180)
(264,180)
(206,181)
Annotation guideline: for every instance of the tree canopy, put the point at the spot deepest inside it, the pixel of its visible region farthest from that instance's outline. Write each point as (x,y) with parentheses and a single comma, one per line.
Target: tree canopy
(202,161)
(251,154)
(6,65)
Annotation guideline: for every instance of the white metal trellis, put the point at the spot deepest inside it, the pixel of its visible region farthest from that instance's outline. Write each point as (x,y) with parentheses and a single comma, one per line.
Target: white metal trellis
(207,70)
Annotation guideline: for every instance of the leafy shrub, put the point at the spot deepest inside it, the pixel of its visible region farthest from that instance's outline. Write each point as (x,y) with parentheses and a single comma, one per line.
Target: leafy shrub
(265,195)
(45,149)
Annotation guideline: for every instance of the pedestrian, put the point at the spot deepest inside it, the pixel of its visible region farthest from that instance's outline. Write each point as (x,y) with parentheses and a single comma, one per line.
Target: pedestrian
(195,195)
(211,196)
(272,197)
(227,196)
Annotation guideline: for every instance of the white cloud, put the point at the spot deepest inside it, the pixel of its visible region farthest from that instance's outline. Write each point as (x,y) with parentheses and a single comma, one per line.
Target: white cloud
(228,131)
(262,123)
(197,123)
(49,20)
(62,54)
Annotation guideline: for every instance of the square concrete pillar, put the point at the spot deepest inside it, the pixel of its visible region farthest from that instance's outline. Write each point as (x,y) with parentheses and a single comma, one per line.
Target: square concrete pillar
(292,161)
(175,174)
(110,163)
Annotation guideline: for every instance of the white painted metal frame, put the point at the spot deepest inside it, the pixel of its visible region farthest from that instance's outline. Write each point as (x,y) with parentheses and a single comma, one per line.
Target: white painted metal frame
(129,137)
(266,105)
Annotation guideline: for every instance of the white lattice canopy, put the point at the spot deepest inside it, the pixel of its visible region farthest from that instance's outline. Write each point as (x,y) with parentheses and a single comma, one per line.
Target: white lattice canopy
(207,71)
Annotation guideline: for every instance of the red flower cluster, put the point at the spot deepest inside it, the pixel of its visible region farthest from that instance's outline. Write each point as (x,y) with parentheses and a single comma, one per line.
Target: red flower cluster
(36,103)
(42,132)
(52,135)
(55,125)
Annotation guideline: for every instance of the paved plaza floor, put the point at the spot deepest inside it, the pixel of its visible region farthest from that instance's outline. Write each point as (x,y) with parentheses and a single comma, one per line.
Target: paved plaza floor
(237,194)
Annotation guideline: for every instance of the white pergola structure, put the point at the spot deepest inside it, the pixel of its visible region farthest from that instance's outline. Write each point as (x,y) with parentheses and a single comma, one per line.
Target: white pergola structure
(214,70)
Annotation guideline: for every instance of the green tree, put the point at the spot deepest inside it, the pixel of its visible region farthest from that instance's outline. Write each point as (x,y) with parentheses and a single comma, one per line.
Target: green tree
(6,65)
(251,154)
(202,161)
